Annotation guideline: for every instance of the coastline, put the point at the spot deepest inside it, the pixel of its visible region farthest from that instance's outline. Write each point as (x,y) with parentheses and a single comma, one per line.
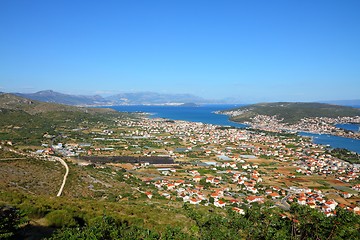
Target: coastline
(191,114)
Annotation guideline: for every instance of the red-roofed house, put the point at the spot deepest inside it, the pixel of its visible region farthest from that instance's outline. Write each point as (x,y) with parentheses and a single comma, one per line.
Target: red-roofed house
(219,203)
(252,199)
(194,201)
(149,195)
(238,210)
(197,178)
(274,195)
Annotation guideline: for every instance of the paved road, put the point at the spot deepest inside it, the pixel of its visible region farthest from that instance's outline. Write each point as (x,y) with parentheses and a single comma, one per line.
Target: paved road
(283,203)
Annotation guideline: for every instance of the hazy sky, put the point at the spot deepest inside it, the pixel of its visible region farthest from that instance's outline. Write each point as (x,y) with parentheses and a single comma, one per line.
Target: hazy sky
(250,50)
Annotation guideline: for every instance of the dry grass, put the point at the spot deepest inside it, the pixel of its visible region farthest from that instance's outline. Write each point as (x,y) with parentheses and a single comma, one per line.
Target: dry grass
(31,175)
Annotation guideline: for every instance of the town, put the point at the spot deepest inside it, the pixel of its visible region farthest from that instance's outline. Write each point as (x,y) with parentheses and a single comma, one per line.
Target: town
(204,164)
(319,125)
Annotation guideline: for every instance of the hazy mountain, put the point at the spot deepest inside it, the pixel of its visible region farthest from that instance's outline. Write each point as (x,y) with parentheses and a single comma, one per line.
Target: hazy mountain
(56,97)
(141,98)
(155,98)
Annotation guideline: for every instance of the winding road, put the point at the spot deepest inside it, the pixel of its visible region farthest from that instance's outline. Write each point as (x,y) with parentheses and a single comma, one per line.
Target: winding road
(53,158)
(65,176)
(63,163)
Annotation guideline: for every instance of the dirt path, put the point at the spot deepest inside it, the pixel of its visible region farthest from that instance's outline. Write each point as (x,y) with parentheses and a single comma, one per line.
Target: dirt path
(65,176)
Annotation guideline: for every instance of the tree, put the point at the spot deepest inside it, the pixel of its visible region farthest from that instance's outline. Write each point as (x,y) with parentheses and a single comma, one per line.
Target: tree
(10,220)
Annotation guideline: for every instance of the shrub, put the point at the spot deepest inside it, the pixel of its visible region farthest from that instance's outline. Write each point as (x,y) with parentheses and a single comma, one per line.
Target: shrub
(10,220)
(60,218)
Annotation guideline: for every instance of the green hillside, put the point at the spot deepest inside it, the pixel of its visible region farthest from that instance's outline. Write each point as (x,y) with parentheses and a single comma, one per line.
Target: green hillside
(293,112)
(13,102)
(25,121)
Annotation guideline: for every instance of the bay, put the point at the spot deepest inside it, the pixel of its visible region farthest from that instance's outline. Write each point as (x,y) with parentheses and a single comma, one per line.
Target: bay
(350,127)
(205,114)
(334,141)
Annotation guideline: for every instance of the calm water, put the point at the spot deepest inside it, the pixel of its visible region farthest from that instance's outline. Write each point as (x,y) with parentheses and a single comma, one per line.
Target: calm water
(351,127)
(205,114)
(334,141)
(202,114)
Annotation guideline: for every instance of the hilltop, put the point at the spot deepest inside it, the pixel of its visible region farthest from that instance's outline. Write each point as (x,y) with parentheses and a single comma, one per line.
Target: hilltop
(291,112)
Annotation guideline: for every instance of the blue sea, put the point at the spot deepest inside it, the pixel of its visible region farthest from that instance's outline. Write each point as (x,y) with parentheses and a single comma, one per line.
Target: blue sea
(205,114)
(334,141)
(350,127)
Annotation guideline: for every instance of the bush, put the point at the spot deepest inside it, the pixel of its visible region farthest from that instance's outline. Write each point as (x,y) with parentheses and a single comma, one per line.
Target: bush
(10,220)
(60,218)
(34,210)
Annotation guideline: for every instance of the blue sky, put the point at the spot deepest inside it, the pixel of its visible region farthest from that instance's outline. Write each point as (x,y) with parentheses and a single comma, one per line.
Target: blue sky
(248,50)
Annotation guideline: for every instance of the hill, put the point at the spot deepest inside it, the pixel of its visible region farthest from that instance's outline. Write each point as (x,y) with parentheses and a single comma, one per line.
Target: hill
(291,112)
(25,121)
(14,102)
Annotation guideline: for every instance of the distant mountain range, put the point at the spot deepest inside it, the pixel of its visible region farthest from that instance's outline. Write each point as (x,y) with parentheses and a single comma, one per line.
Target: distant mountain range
(140,98)
(56,97)
(156,98)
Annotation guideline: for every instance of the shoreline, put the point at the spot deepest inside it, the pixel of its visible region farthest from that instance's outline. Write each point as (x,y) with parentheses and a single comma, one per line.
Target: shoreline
(151,115)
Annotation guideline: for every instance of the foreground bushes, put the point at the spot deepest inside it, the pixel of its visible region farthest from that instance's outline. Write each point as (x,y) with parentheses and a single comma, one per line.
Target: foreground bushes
(108,228)
(88,219)
(262,222)
(10,221)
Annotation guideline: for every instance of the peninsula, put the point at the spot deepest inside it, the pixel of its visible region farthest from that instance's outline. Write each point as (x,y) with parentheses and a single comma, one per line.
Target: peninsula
(287,116)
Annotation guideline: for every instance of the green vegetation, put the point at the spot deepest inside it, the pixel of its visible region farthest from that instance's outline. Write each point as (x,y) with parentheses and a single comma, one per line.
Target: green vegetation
(11,220)
(293,112)
(266,223)
(89,219)
(107,227)
(345,155)
(75,216)
(25,121)
(101,202)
